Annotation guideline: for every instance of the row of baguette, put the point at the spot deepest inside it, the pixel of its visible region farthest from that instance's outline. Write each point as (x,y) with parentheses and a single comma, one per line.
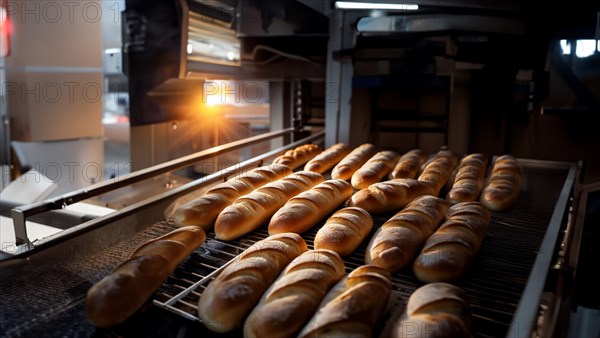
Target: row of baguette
(279,288)
(247,201)
(296,201)
(289,291)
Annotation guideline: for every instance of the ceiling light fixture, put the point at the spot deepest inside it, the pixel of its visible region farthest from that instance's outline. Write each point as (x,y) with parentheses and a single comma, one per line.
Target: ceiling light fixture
(375,5)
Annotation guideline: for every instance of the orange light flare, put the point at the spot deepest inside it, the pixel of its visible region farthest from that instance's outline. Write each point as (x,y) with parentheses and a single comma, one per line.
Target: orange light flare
(205,110)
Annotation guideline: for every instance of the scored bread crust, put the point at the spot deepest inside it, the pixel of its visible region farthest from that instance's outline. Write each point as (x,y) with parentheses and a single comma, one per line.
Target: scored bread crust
(306,209)
(229,298)
(344,230)
(120,294)
(203,211)
(353,307)
(504,184)
(293,298)
(448,253)
(397,242)
(250,211)
(375,169)
(328,158)
(436,310)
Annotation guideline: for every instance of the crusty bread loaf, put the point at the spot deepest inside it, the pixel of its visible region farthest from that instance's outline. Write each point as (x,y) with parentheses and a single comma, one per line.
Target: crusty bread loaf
(442,153)
(294,297)
(504,184)
(229,298)
(256,208)
(328,158)
(298,156)
(469,179)
(375,169)
(438,169)
(353,307)
(390,195)
(409,164)
(436,310)
(448,253)
(306,209)
(344,230)
(203,211)
(120,294)
(353,161)
(397,242)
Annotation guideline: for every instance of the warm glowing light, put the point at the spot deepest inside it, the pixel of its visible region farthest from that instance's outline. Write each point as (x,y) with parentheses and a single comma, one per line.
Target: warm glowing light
(212,100)
(375,5)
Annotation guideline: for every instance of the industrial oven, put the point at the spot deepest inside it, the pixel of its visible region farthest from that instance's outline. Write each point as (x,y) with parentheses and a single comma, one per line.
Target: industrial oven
(397,78)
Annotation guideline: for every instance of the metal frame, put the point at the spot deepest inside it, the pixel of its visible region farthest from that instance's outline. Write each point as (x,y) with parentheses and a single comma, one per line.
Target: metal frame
(4,117)
(524,319)
(582,194)
(20,214)
(338,91)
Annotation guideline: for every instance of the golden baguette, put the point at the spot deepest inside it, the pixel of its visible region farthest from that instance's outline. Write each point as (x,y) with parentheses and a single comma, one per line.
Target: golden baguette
(306,209)
(448,253)
(353,307)
(120,294)
(344,230)
(229,298)
(298,156)
(375,169)
(294,297)
(438,170)
(397,242)
(203,211)
(469,179)
(504,184)
(436,310)
(390,195)
(328,158)
(409,164)
(250,211)
(353,161)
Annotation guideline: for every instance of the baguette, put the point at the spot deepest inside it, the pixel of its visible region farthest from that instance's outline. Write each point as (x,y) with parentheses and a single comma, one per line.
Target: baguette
(294,297)
(298,156)
(250,211)
(469,179)
(502,189)
(120,294)
(438,170)
(204,210)
(344,231)
(328,158)
(442,153)
(397,242)
(375,169)
(390,195)
(450,251)
(306,209)
(353,307)
(229,298)
(436,310)
(353,161)
(409,164)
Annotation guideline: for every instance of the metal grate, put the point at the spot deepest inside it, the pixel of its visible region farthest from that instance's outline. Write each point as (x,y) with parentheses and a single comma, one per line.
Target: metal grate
(494,284)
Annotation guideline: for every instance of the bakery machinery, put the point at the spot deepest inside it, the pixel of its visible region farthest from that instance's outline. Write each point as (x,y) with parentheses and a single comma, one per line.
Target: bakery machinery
(400,77)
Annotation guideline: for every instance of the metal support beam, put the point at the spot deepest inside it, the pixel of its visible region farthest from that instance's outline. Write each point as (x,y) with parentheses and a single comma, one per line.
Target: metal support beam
(339,116)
